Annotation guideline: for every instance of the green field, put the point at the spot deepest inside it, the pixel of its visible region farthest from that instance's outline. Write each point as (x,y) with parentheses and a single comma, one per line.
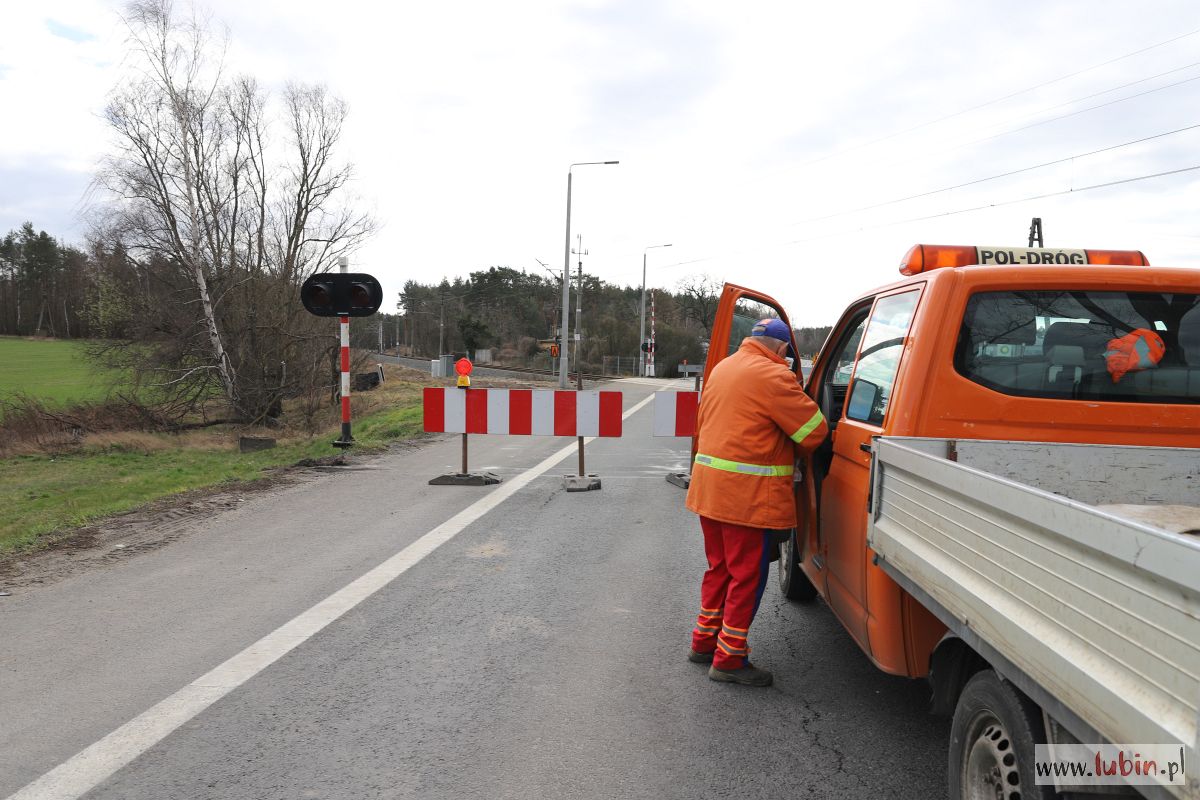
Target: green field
(55,371)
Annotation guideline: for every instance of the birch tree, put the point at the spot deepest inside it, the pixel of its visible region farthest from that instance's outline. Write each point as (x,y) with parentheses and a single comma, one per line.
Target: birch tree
(223,217)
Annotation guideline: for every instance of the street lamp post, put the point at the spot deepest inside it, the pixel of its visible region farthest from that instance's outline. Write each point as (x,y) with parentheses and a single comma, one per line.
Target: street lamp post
(566,284)
(642,340)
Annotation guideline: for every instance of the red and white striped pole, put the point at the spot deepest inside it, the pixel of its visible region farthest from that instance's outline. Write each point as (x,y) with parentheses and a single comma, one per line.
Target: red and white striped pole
(346,439)
(650,371)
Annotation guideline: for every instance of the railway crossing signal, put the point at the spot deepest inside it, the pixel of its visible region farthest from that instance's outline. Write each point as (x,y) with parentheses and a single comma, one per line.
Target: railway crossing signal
(343,295)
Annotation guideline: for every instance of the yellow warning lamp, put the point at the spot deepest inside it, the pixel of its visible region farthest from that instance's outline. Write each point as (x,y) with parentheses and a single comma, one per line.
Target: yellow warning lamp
(463,367)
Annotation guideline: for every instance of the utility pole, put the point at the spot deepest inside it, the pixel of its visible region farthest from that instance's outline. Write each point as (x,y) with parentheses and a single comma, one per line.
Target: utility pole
(442,328)
(566,300)
(580,252)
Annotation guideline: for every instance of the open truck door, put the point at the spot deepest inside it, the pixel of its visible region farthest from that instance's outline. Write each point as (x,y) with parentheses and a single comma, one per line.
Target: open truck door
(740,308)
(738,311)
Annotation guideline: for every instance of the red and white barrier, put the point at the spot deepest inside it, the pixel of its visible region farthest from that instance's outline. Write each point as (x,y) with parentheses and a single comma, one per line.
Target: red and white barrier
(522,412)
(675,413)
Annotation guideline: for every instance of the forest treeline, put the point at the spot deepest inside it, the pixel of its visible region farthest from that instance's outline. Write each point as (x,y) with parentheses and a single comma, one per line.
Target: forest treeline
(515,313)
(48,288)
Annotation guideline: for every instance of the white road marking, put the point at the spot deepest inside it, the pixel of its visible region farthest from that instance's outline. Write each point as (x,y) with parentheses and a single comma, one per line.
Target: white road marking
(88,768)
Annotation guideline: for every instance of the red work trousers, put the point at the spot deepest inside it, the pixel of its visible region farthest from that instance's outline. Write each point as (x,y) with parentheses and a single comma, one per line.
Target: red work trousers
(738,559)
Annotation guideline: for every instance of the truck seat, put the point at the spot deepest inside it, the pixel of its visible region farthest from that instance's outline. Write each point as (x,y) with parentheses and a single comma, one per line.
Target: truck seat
(1093,339)
(1065,366)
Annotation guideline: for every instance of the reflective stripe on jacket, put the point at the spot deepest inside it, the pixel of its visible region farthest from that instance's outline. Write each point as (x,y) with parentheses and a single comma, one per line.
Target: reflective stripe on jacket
(754,420)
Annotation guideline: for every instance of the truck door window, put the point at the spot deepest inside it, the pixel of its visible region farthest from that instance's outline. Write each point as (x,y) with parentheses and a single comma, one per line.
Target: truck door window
(879,357)
(843,367)
(745,315)
(836,380)
(1131,347)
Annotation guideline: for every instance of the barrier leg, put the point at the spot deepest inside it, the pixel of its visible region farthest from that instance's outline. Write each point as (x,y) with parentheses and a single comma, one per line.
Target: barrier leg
(465,478)
(681,479)
(581,482)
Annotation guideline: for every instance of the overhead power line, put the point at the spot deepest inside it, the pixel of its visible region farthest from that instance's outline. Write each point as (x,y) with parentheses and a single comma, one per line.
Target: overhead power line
(1078,112)
(954,212)
(1116,88)
(1002,203)
(997,176)
(1001,99)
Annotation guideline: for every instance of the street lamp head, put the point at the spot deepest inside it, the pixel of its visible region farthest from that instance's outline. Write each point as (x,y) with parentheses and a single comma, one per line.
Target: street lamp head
(591,163)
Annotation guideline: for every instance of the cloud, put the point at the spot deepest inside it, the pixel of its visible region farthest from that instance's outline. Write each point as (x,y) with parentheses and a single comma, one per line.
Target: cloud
(45,193)
(642,65)
(67,32)
(738,127)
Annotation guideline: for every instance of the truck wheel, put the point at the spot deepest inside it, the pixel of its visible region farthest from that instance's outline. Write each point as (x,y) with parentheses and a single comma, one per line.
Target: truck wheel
(991,743)
(793,583)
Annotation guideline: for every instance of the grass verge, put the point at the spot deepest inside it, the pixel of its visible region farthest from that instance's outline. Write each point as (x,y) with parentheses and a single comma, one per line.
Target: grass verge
(111,474)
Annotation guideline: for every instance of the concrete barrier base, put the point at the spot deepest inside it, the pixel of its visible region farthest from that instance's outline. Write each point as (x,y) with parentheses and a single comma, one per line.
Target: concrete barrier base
(581,483)
(680,479)
(465,479)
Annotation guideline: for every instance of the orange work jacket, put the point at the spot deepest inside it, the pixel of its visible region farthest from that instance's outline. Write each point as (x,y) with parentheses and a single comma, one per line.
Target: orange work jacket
(753,418)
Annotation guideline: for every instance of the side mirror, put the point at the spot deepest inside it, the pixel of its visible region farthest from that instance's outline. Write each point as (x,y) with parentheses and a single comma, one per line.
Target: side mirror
(863,397)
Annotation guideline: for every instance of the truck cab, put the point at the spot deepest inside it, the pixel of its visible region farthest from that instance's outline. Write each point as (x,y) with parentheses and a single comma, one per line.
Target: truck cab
(982,343)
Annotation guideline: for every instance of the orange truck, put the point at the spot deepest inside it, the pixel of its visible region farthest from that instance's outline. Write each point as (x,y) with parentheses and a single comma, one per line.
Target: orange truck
(1007,505)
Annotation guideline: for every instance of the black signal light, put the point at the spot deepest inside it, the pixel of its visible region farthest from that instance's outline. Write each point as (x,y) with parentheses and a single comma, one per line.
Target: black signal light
(334,294)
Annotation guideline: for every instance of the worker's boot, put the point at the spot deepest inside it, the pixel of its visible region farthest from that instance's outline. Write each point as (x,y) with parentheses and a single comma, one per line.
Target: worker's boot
(748,675)
(697,657)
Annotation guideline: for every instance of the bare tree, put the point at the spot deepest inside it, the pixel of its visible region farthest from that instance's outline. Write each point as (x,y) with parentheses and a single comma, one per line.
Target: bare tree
(699,296)
(225,220)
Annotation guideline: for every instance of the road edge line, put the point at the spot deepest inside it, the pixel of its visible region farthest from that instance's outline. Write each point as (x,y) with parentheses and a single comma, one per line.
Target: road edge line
(91,766)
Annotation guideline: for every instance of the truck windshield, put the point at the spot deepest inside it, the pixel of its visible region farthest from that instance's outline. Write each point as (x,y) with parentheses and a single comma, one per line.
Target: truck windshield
(1084,345)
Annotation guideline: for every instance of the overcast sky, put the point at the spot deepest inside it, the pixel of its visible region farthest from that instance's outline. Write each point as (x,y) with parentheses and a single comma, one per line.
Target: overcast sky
(751,135)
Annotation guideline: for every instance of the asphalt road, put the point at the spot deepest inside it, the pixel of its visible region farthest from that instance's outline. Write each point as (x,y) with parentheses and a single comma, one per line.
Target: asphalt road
(539,652)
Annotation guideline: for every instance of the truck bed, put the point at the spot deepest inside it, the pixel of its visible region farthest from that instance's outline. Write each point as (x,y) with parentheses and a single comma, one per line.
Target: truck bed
(1092,613)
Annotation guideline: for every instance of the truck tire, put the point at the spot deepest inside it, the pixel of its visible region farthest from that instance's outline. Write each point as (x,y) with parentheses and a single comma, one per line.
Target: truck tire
(992,738)
(793,583)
